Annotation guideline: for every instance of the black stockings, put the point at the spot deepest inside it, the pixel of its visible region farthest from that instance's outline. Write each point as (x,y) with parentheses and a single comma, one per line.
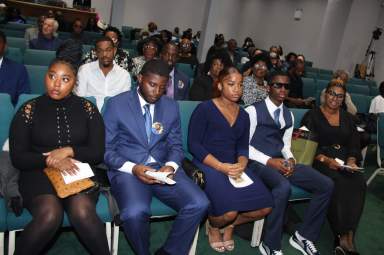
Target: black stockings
(47,212)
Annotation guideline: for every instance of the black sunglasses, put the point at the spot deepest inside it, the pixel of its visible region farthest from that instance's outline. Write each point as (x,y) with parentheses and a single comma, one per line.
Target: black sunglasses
(278,85)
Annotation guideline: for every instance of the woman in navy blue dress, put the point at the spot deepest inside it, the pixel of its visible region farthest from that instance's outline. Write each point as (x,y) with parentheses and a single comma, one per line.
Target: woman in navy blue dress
(218,139)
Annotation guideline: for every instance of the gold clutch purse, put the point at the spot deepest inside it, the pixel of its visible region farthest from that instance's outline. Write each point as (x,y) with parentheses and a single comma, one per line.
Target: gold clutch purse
(64,190)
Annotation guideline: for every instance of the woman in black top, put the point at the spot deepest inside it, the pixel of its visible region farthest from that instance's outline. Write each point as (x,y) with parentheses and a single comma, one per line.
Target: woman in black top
(203,86)
(338,138)
(56,130)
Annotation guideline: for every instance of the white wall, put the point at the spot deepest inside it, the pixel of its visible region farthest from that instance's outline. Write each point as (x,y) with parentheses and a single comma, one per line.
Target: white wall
(271,22)
(362,20)
(165,13)
(103,8)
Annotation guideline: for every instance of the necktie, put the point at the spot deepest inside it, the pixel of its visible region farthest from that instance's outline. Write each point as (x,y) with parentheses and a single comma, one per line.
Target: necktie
(170,87)
(148,121)
(276,115)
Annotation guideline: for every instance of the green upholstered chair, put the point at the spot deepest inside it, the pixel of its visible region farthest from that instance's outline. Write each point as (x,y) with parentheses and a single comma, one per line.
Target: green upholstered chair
(358,89)
(37,78)
(15,54)
(187,69)
(309,87)
(38,57)
(362,102)
(16,42)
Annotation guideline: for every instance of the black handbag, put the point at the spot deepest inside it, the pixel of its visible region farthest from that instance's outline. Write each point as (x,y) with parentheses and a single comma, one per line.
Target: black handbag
(193,172)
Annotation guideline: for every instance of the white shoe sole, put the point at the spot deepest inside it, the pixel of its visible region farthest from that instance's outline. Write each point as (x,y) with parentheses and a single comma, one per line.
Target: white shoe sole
(262,250)
(296,246)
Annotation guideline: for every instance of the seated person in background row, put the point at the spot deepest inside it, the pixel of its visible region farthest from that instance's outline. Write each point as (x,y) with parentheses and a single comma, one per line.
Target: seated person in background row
(122,57)
(218,140)
(57,130)
(14,79)
(203,86)
(232,51)
(337,137)
(271,126)
(77,32)
(148,49)
(377,103)
(47,40)
(143,133)
(33,32)
(255,85)
(185,54)
(103,77)
(178,83)
(347,103)
(295,98)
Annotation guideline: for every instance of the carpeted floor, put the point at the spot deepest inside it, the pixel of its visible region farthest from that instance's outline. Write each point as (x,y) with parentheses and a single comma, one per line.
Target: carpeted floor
(368,242)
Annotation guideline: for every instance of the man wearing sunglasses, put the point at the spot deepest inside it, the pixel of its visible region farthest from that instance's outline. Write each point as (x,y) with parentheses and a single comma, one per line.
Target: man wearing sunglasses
(271,126)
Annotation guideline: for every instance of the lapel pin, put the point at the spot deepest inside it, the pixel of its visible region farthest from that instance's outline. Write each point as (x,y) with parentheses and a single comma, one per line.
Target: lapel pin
(157,128)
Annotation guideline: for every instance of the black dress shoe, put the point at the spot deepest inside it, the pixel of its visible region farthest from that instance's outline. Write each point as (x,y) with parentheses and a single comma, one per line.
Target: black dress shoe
(352,253)
(161,251)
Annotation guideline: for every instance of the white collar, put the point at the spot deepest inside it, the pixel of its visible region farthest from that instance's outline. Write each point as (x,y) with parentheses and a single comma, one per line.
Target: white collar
(1,61)
(271,106)
(172,73)
(141,99)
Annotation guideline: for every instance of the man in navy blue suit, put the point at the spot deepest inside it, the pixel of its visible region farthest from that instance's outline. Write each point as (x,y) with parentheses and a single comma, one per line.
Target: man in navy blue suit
(14,79)
(178,83)
(143,134)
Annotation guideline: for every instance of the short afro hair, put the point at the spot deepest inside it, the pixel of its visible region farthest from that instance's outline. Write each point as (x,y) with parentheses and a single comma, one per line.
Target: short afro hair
(156,66)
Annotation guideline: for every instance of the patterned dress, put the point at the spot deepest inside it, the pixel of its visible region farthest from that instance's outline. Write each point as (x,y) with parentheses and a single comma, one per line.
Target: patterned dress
(252,92)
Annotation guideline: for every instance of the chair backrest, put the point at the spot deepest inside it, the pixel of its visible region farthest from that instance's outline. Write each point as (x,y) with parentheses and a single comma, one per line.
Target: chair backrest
(298,115)
(16,42)
(187,69)
(324,76)
(311,69)
(38,57)
(309,87)
(36,78)
(325,71)
(362,102)
(13,33)
(311,75)
(321,84)
(358,89)
(6,115)
(16,26)
(15,54)
(186,110)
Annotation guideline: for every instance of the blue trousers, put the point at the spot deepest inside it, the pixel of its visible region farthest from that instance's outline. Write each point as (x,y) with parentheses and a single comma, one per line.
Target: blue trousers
(134,199)
(306,178)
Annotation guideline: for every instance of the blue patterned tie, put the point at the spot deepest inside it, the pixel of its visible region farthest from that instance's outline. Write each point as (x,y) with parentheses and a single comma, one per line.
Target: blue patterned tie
(148,121)
(276,115)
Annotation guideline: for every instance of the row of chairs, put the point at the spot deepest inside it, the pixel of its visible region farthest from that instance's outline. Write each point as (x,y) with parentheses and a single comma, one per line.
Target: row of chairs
(9,222)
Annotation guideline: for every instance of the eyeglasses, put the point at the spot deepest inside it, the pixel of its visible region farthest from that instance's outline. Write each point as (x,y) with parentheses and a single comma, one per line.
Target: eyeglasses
(149,47)
(260,66)
(334,94)
(280,85)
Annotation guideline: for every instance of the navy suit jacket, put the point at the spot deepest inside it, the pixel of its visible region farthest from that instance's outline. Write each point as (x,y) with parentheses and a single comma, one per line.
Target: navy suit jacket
(126,139)
(180,85)
(14,79)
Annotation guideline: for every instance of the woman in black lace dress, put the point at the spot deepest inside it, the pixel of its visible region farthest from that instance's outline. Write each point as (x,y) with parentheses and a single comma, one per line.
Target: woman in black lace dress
(56,130)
